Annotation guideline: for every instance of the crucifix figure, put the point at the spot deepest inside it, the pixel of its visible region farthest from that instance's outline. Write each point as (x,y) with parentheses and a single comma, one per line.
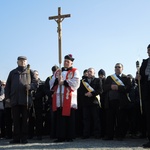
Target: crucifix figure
(59,19)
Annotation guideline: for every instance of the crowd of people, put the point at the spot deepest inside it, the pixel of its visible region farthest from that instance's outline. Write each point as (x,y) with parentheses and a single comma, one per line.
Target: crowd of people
(65,106)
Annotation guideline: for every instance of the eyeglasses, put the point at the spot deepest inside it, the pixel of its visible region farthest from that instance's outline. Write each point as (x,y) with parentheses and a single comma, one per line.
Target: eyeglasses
(3,84)
(117,66)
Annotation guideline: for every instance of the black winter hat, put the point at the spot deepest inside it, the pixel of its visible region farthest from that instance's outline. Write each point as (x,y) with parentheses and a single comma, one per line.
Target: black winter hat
(101,72)
(54,68)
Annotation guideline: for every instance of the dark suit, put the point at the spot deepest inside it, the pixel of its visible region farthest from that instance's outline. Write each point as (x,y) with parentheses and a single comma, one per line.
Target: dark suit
(145,91)
(90,109)
(50,115)
(116,102)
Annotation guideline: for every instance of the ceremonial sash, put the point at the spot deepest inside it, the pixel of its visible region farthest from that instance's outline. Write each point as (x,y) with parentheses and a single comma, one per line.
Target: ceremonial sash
(68,94)
(87,86)
(117,80)
(90,89)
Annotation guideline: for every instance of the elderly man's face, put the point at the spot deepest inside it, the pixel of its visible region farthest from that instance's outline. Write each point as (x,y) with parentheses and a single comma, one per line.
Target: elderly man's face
(67,63)
(22,62)
(91,72)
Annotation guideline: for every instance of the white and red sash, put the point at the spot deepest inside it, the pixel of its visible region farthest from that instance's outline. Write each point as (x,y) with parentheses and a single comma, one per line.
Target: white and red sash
(66,106)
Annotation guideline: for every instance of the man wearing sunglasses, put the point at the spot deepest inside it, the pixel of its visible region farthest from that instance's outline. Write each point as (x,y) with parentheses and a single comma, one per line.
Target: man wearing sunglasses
(116,87)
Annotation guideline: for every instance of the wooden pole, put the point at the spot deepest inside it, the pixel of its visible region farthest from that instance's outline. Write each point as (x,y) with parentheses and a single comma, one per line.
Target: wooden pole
(59,38)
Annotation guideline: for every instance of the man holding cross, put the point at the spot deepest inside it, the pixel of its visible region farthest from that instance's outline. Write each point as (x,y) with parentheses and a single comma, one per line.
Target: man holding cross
(64,85)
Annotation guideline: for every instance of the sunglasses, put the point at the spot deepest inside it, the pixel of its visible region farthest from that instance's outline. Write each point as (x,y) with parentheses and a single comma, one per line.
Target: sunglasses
(117,66)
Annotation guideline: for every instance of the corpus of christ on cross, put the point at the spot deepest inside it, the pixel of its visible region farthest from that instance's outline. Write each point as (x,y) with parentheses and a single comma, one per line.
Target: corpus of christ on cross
(59,20)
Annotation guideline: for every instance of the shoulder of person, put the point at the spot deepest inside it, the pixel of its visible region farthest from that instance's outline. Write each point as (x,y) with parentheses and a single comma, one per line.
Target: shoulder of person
(75,69)
(48,78)
(13,71)
(41,82)
(98,79)
(124,76)
(109,77)
(145,60)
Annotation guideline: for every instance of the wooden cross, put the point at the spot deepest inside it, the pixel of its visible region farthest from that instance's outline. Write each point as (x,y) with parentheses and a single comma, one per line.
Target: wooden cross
(59,19)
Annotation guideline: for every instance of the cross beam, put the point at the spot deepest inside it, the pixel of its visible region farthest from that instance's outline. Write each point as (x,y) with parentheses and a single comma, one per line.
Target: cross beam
(59,20)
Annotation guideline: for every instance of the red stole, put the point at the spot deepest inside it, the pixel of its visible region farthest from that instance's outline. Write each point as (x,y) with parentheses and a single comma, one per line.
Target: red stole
(67,102)
(66,106)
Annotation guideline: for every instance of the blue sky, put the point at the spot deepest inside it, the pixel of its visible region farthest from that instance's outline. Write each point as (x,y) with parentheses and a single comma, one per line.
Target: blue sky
(99,34)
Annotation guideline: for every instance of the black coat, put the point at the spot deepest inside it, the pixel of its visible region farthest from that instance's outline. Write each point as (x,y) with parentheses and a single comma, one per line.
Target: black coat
(122,91)
(39,95)
(142,71)
(96,84)
(16,83)
(144,81)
